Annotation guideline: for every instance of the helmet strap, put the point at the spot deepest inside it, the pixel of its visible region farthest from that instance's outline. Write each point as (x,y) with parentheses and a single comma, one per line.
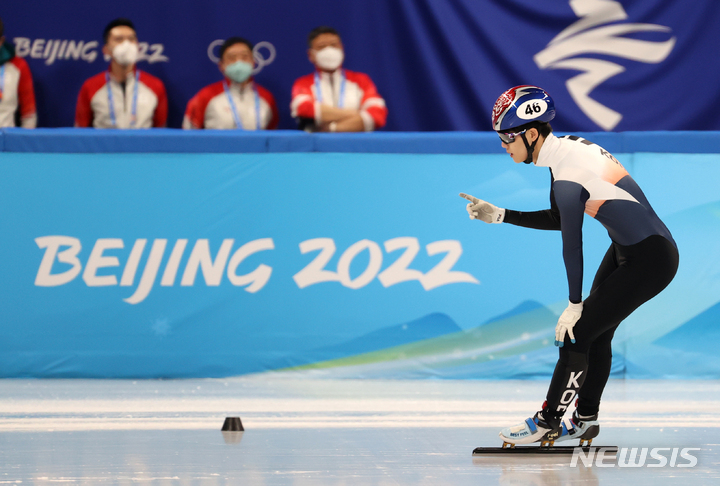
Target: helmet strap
(530,149)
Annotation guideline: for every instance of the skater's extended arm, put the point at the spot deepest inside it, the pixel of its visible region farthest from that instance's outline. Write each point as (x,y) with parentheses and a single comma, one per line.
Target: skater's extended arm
(548,219)
(542,220)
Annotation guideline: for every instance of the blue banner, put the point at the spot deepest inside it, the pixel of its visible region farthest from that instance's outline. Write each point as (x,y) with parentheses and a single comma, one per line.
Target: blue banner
(440,64)
(353,264)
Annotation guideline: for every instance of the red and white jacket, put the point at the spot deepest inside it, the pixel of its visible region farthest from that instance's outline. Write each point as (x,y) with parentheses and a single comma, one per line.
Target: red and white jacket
(17,94)
(360,94)
(210,107)
(93,109)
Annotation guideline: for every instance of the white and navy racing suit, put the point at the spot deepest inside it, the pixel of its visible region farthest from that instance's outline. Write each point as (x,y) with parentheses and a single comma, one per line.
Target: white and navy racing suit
(640,263)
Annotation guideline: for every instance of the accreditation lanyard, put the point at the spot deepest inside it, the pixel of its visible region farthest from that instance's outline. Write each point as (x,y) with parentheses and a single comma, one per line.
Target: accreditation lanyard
(236,114)
(318,90)
(2,81)
(133,109)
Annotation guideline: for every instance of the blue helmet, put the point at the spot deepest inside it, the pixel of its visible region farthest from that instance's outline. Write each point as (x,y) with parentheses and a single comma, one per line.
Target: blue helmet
(521,105)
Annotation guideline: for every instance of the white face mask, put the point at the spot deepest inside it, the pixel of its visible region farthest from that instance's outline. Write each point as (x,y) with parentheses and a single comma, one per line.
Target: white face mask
(329,58)
(239,71)
(125,53)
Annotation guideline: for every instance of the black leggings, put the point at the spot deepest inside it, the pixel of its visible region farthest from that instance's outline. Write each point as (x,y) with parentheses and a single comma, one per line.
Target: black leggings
(628,277)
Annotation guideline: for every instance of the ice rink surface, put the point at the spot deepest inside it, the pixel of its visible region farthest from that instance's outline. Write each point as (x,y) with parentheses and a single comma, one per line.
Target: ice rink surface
(303,429)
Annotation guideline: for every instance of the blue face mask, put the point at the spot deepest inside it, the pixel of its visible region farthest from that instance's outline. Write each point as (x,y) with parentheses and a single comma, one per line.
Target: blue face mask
(239,71)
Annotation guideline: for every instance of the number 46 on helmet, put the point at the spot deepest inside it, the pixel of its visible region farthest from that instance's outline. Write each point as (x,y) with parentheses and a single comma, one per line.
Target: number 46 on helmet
(522,105)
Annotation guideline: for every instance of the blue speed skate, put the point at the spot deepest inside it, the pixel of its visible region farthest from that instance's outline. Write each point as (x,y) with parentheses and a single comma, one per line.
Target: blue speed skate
(585,429)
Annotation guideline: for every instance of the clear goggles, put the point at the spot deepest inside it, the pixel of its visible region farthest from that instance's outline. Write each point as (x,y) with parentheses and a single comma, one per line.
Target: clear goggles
(509,137)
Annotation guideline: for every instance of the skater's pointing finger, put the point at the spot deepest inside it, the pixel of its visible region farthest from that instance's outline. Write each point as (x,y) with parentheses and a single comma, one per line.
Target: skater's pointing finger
(470,198)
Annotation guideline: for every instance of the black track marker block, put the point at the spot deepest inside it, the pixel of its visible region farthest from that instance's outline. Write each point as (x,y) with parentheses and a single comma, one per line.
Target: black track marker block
(481,451)
(232,424)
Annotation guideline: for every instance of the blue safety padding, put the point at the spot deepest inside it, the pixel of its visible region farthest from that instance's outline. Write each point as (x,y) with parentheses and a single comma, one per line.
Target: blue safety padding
(685,142)
(92,288)
(87,140)
(289,141)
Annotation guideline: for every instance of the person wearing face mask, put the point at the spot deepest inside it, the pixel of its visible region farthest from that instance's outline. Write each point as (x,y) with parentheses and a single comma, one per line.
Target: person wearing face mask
(17,97)
(334,99)
(236,102)
(123,96)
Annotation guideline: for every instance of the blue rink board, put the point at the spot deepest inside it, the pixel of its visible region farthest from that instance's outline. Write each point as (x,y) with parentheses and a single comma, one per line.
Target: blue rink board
(354,264)
(78,140)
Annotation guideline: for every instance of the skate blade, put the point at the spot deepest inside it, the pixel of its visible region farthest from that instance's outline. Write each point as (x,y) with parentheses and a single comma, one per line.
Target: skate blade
(538,449)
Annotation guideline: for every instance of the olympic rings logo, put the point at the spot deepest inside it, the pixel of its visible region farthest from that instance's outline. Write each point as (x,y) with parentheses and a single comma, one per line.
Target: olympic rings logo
(260,57)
